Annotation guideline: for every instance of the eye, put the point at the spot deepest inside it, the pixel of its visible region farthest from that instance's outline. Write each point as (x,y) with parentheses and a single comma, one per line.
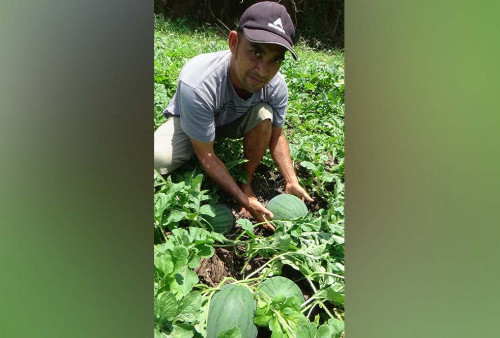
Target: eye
(256,52)
(278,61)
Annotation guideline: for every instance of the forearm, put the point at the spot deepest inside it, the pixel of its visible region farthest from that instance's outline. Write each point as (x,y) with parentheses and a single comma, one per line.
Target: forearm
(218,172)
(280,152)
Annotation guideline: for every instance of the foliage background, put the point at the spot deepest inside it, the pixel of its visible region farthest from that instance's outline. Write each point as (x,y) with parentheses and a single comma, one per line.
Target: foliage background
(319,21)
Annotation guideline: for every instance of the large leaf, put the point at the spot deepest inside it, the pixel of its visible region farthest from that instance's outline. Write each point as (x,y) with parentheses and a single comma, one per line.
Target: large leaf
(165,308)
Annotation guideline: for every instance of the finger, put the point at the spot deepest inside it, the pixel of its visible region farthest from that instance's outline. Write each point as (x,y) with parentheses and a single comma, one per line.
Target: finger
(268,225)
(307,197)
(268,213)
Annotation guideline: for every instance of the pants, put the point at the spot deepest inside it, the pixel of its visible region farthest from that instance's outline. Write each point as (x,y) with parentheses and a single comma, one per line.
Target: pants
(173,148)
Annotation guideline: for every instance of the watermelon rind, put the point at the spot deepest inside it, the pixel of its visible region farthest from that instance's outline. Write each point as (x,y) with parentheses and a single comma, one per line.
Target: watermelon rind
(223,220)
(281,286)
(233,306)
(286,206)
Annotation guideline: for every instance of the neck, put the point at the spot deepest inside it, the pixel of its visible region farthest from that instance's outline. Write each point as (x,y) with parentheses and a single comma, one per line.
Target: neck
(235,82)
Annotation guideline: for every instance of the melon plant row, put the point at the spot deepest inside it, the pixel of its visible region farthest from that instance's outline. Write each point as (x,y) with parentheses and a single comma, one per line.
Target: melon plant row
(291,282)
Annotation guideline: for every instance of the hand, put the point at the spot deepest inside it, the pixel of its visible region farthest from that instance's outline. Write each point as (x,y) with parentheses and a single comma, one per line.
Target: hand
(297,190)
(257,210)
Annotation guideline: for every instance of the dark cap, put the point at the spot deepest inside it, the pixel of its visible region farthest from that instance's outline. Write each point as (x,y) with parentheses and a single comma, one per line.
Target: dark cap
(268,22)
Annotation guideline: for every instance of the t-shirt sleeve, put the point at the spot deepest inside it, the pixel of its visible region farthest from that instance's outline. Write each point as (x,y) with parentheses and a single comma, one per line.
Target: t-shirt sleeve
(196,113)
(279,100)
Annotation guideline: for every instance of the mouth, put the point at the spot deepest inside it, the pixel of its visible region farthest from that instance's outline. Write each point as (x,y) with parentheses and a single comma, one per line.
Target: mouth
(256,81)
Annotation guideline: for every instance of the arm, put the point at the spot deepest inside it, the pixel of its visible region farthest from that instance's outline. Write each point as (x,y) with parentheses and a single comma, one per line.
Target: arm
(280,151)
(218,172)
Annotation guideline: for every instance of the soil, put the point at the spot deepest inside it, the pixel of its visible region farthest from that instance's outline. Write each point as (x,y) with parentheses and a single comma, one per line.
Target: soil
(224,263)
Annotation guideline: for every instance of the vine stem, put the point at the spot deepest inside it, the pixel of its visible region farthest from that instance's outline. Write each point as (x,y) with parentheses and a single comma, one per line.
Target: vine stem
(308,301)
(285,324)
(327,273)
(337,314)
(264,265)
(162,232)
(326,310)
(312,285)
(310,311)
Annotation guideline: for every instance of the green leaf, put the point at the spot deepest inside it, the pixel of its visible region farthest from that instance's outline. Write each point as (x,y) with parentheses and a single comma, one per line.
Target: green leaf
(275,327)
(180,257)
(159,334)
(184,282)
(194,262)
(207,210)
(309,165)
(165,307)
(161,201)
(306,329)
(190,308)
(283,243)
(333,328)
(262,320)
(182,331)
(247,226)
(163,263)
(205,251)
(335,296)
(173,217)
(181,236)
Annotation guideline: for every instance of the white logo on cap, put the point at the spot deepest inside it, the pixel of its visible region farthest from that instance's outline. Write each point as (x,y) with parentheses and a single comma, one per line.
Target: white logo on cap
(277,25)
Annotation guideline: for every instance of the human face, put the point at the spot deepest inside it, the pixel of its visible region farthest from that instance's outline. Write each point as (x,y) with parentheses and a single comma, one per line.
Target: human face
(253,65)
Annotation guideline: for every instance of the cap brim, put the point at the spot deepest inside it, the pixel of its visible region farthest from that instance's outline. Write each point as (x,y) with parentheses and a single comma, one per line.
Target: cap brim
(261,36)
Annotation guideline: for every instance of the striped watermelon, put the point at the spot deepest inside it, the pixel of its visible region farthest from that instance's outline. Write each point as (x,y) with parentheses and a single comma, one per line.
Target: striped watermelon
(222,222)
(281,286)
(233,306)
(286,206)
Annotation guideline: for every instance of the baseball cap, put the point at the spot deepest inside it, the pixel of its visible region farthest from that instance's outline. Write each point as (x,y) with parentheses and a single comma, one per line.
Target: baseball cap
(268,22)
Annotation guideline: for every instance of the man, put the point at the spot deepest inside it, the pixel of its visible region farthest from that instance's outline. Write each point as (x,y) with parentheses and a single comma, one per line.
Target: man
(236,93)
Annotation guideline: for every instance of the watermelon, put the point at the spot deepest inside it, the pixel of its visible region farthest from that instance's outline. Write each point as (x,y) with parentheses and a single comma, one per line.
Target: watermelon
(233,306)
(281,286)
(223,221)
(286,206)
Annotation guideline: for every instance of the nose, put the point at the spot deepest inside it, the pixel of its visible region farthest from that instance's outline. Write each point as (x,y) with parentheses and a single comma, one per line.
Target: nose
(262,69)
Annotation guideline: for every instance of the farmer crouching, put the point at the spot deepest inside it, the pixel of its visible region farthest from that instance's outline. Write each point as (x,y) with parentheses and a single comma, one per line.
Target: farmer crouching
(237,93)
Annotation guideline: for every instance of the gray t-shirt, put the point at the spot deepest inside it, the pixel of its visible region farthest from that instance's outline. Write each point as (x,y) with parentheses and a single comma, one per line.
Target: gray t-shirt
(205,97)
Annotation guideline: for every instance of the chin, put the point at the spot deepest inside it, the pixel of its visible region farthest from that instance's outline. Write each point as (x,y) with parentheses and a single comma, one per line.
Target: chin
(253,90)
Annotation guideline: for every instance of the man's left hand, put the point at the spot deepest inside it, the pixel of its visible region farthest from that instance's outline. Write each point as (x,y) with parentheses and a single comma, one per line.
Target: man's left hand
(297,190)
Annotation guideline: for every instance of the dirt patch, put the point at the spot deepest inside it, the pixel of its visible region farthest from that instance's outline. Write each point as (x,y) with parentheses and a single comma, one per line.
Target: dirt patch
(225,263)
(213,269)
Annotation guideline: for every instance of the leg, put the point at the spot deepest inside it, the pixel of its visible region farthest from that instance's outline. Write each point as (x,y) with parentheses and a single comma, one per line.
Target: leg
(172,148)
(255,127)
(255,144)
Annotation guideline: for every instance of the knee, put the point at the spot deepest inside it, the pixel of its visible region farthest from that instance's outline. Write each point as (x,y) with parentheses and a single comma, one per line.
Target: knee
(263,115)
(262,112)
(265,126)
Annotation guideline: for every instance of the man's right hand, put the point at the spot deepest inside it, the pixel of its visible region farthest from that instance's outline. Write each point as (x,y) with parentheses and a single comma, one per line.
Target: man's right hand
(257,210)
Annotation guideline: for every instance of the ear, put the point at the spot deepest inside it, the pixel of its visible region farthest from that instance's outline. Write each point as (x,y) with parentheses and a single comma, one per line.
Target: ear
(233,41)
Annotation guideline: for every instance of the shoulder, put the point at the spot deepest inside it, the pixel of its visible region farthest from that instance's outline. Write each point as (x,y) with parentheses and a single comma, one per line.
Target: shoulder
(211,68)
